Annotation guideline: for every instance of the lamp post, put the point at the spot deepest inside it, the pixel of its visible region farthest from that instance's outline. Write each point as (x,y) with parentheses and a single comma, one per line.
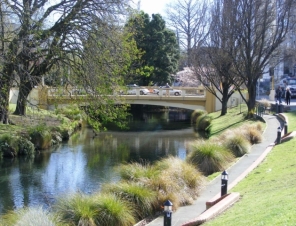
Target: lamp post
(279,135)
(224,181)
(167,218)
(286,127)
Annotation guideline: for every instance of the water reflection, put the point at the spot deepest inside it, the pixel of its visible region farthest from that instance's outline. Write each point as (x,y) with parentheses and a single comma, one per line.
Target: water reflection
(83,164)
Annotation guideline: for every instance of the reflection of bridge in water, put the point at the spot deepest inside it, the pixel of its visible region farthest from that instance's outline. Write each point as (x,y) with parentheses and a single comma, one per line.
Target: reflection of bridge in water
(191,98)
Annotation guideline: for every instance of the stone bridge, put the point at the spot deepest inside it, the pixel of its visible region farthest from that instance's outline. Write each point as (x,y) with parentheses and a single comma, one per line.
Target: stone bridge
(191,98)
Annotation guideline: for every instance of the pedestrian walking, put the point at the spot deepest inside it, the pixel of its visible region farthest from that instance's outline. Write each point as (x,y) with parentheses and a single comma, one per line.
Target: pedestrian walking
(288,96)
(278,94)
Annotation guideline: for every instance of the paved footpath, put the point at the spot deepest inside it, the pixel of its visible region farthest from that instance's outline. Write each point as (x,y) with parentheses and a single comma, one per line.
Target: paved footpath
(237,172)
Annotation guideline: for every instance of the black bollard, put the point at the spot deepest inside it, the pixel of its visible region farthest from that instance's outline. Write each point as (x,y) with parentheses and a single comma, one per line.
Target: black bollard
(286,128)
(279,135)
(224,181)
(167,218)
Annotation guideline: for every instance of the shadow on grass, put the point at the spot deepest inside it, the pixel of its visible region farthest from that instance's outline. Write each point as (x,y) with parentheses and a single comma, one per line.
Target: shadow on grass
(226,127)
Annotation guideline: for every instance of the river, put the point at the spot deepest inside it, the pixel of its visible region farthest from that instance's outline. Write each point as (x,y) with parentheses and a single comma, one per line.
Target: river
(87,160)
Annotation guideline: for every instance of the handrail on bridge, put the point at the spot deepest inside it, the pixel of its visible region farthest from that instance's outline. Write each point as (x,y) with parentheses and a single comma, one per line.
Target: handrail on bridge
(185,91)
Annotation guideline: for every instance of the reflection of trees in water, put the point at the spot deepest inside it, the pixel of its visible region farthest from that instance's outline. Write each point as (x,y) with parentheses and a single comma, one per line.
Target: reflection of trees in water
(82,164)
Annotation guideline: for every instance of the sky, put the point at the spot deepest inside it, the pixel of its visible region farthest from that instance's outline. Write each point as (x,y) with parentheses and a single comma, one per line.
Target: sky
(153,6)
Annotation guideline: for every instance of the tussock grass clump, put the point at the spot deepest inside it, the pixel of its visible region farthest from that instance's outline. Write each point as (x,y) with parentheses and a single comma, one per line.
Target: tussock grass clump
(179,181)
(141,198)
(77,209)
(195,114)
(92,210)
(238,145)
(30,217)
(137,172)
(203,123)
(114,211)
(209,157)
(252,133)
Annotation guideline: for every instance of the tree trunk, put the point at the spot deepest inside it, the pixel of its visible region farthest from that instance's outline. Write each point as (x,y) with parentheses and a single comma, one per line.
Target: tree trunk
(24,90)
(252,100)
(225,98)
(5,85)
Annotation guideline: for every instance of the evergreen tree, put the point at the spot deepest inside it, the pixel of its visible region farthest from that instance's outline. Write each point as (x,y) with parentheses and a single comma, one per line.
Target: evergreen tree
(159,46)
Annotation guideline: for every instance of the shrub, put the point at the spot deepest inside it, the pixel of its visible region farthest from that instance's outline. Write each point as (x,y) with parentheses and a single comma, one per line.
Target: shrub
(25,147)
(209,157)
(72,112)
(40,136)
(238,145)
(195,114)
(8,146)
(141,198)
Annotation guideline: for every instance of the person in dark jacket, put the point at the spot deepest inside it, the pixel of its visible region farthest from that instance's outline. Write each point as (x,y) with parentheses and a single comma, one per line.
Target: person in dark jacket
(278,94)
(288,96)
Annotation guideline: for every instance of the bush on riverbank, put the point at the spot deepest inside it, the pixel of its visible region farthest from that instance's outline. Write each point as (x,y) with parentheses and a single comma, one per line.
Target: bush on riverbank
(13,146)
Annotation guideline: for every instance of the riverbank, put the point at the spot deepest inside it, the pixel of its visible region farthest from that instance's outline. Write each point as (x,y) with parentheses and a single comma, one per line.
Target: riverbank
(234,120)
(38,130)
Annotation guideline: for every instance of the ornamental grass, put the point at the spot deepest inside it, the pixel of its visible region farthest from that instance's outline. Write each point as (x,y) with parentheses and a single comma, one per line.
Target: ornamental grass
(209,157)
(141,198)
(92,210)
(238,145)
(178,180)
(31,217)
(252,134)
(195,114)
(137,172)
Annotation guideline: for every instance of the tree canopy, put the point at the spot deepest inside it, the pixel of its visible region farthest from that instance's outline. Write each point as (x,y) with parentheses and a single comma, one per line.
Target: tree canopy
(159,46)
(42,37)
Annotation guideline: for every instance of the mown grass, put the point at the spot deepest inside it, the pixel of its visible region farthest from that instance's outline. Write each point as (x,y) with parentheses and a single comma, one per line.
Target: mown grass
(235,117)
(268,193)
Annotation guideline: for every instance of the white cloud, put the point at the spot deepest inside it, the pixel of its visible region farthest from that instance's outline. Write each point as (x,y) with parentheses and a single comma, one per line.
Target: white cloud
(154,6)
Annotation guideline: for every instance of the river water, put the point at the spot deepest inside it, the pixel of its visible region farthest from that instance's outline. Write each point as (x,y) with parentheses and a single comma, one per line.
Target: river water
(87,160)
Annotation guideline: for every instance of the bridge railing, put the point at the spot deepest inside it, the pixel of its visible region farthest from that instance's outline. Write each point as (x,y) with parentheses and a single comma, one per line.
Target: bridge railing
(185,91)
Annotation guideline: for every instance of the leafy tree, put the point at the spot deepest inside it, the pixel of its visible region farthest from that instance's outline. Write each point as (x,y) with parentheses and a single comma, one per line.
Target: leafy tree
(159,46)
(46,35)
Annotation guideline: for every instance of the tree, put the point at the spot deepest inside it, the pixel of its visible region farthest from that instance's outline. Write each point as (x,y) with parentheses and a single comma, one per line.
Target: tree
(213,62)
(108,56)
(159,46)
(189,19)
(261,26)
(45,36)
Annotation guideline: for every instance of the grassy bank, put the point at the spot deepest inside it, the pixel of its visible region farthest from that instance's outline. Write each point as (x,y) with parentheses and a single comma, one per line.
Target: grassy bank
(268,193)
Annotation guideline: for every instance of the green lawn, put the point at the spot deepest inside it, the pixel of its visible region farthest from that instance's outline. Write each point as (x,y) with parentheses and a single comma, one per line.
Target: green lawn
(268,194)
(235,117)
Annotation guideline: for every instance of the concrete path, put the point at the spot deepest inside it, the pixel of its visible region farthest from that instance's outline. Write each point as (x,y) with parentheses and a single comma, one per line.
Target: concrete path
(237,172)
